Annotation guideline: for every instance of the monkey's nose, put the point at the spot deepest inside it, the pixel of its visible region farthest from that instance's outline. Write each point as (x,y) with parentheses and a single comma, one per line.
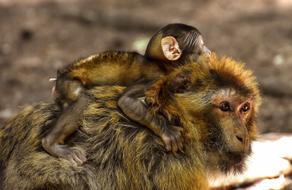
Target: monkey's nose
(242,143)
(240,139)
(206,50)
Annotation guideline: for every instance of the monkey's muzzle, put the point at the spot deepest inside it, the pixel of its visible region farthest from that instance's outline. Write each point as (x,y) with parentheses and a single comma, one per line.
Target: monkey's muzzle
(206,50)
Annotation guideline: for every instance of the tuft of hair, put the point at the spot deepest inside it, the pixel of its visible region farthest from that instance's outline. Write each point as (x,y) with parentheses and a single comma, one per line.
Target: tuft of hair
(228,71)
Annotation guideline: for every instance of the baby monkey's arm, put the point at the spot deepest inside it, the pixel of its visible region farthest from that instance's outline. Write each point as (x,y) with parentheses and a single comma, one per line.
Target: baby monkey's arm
(72,101)
(136,109)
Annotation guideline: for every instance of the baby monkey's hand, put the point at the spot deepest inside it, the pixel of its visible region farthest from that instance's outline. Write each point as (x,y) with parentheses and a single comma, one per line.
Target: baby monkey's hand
(172,136)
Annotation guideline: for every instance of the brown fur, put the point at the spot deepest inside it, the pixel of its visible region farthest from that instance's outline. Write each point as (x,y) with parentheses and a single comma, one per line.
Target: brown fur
(123,155)
(111,67)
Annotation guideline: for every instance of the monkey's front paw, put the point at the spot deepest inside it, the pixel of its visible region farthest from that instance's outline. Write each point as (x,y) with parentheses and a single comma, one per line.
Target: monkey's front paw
(74,155)
(173,139)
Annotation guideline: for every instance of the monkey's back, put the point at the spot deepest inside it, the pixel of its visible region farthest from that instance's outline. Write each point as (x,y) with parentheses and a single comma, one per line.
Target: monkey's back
(121,155)
(112,67)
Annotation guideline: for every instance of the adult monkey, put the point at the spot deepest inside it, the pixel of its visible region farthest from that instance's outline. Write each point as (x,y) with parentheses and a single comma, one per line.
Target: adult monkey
(217,104)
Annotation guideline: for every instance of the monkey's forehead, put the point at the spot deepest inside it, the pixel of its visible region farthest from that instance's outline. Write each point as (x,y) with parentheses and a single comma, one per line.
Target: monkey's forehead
(227,71)
(232,93)
(228,91)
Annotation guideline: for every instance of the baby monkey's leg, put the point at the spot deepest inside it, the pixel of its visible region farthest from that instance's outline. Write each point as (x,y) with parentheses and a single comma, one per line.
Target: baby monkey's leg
(66,124)
(138,111)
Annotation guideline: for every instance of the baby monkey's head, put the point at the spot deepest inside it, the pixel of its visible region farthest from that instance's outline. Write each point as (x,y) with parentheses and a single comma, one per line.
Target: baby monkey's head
(176,42)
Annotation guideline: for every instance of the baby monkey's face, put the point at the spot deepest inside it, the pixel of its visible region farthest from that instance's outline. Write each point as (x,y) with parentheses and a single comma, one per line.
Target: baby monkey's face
(201,48)
(194,48)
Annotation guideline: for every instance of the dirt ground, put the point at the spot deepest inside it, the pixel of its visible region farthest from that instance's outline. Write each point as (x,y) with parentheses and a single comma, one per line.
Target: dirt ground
(39,36)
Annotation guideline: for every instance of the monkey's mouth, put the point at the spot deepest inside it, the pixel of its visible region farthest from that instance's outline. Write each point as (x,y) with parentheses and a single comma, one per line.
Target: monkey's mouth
(235,162)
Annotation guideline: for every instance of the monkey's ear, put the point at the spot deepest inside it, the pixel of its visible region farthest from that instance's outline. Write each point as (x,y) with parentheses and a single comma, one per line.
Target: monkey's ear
(170,48)
(182,82)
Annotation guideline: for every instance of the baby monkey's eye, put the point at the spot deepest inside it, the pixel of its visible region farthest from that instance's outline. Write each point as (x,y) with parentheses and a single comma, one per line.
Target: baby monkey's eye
(225,106)
(245,108)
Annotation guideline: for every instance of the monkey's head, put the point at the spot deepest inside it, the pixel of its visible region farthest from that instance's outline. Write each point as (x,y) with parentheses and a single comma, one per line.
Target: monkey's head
(221,98)
(175,42)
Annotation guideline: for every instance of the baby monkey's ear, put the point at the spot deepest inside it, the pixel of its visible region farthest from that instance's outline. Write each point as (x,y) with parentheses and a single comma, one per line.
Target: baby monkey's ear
(170,48)
(181,83)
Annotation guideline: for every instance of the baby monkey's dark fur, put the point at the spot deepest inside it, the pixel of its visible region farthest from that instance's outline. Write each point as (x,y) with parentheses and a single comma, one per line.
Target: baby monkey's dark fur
(170,47)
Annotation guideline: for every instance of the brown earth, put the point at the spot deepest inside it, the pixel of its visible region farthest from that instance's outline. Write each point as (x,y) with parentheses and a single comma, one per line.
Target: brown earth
(39,36)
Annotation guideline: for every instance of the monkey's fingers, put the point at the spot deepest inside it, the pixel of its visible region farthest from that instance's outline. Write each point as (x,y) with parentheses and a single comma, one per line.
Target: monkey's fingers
(73,158)
(179,142)
(179,137)
(173,138)
(167,142)
(174,144)
(181,146)
(78,156)
(74,155)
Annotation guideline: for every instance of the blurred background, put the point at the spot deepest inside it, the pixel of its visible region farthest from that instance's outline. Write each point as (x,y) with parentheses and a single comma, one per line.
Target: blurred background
(39,36)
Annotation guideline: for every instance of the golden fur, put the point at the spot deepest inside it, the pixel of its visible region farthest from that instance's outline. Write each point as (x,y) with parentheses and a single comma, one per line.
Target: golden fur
(121,154)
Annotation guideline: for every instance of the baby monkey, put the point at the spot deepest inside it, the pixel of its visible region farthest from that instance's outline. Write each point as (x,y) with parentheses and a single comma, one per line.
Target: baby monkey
(171,47)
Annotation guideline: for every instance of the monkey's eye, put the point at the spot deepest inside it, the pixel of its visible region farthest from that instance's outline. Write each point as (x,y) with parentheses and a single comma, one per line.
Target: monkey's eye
(245,108)
(225,106)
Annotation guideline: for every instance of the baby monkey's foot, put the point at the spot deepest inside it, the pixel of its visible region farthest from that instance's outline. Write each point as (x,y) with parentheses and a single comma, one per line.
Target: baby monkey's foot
(172,137)
(74,155)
